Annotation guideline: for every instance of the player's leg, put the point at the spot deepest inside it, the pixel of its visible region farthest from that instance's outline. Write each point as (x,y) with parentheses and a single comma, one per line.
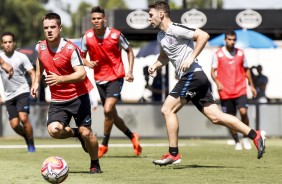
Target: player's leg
(91,144)
(89,141)
(14,118)
(229,106)
(58,121)
(215,115)
(243,110)
(169,109)
(112,115)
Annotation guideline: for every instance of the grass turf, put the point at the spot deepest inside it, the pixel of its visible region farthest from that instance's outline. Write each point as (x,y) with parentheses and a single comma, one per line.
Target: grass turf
(203,161)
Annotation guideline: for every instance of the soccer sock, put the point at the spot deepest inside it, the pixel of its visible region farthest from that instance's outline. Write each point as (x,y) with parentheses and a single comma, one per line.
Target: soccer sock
(235,137)
(106,138)
(252,134)
(129,134)
(94,163)
(31,142)
(75,132)
(173,151)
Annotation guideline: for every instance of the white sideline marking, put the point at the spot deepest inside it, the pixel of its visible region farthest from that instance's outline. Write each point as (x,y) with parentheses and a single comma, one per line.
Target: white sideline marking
(79,146)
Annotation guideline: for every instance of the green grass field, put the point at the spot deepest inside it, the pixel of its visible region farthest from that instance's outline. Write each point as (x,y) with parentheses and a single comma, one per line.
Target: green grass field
(203,161)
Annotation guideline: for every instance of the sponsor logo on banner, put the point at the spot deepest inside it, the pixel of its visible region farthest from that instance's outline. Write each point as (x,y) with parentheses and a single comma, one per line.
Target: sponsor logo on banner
(194,18)
(248,19)
(138,19)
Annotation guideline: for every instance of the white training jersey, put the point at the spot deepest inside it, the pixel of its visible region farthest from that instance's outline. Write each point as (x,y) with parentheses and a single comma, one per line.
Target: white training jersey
(177,42)
(18,83)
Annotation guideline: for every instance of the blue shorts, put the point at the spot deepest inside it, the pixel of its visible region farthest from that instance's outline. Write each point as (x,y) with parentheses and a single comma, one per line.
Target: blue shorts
(195,87)
(79,109)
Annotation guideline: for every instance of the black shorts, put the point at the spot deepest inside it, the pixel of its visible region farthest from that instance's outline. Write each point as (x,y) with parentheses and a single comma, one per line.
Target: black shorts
(110,89)
(79,109)
(195,87)
(230,106)
(18,104)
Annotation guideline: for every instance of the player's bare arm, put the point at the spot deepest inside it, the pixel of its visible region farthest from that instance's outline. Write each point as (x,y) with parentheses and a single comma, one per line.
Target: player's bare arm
(7,68)
(130,56)
(161,61)
(90,64)
(250,81)
(214,77)
(201,39)
(77,76)
(37,78)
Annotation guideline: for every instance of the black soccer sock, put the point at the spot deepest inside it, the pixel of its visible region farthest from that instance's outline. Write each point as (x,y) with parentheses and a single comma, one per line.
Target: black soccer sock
(95,162)
(235,138)
(252,134)
(173,151)
(75,132)
(128,133)
(106,138)
(31,142)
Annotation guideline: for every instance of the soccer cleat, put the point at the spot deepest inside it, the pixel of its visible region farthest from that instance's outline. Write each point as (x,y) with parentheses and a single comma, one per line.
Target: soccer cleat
(136,146)
(31,148)
(246,144)
(259,142)
(95,169)
(168,159)
(238,146)
(102,150)
(82,142)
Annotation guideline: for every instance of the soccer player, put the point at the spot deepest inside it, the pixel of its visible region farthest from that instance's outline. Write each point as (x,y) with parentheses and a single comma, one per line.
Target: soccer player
(230,71)
(104,46)
(17,89)
(177,47)
(69,86)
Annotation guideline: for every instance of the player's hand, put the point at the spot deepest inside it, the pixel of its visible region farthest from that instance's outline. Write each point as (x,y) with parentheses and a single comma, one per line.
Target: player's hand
(186,64)
(254,92)
(219,86)
(53,79)
(129,77)
(91,64)
(34,90)
(151,70)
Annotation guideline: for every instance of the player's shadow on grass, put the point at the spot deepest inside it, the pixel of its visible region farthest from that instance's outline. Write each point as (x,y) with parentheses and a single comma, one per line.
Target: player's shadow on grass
(123,156)
(81,172)
(196,166)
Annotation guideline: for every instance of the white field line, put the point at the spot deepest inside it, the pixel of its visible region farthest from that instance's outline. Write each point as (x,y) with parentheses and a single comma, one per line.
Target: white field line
(79,146)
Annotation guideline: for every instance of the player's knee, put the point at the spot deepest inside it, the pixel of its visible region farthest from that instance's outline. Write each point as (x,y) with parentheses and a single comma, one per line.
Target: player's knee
(165,111)
(86,134)
(54,130)
(214,119)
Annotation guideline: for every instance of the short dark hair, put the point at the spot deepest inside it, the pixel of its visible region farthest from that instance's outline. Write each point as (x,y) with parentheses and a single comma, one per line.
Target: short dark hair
(52,15)
(161,5)
(230,33)
(98,9)
(8,33)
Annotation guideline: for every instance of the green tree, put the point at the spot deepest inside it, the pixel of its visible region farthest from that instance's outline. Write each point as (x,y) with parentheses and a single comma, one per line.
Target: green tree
(202,4)
(80,20)
(23,18)
(112,4)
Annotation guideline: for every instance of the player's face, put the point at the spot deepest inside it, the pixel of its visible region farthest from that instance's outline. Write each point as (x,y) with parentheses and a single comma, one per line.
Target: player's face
(8,43)
(98,21)
(51,30)
(230,41)
(154,18)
